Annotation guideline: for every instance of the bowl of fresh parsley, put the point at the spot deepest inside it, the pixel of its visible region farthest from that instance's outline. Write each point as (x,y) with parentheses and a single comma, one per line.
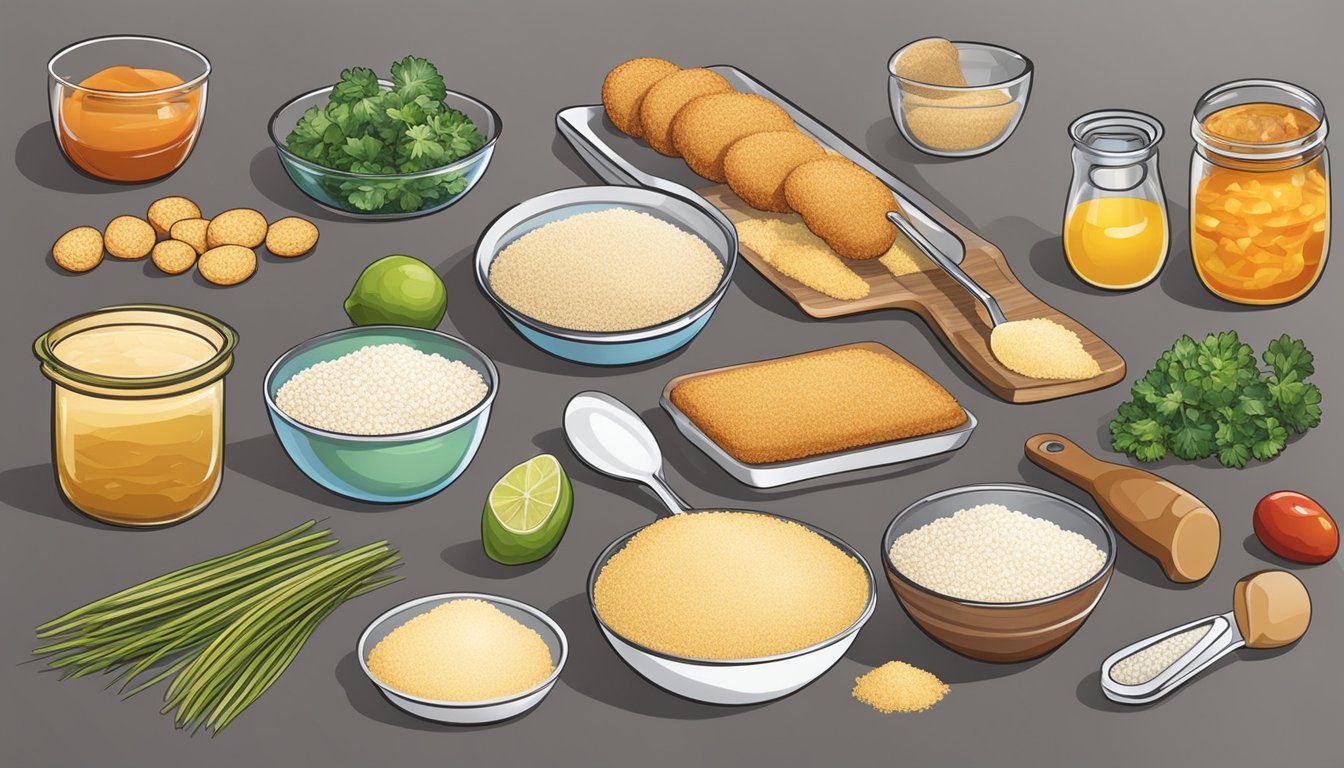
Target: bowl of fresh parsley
(386,149)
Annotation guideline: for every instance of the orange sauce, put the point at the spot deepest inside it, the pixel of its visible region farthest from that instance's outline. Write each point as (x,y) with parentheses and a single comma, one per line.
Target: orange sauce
(1259,236)
(129,137)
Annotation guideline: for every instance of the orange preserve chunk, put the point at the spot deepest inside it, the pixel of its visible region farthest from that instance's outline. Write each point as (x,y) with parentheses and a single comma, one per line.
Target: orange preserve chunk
(122,130)
(1259,232)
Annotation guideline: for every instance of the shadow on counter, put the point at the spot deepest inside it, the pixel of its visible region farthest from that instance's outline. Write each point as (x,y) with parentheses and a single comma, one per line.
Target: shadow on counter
(33,490)
(263,459)
(40,161)
(269,178)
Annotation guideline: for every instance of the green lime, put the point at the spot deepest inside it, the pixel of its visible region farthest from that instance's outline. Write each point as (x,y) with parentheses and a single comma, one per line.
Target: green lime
(527,511)
(397,290)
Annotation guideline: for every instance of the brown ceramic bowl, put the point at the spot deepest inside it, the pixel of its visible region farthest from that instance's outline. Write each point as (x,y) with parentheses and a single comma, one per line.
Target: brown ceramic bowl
(1001,632)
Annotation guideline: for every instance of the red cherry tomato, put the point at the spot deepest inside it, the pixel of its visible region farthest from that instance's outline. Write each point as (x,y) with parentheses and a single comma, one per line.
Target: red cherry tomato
(1293,526)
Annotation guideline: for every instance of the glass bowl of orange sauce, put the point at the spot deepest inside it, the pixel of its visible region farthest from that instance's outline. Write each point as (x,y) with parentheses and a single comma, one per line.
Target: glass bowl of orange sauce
(127,108)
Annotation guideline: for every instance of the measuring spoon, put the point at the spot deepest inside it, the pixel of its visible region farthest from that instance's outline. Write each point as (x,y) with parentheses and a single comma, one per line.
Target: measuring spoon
(1270,609)
(614,440)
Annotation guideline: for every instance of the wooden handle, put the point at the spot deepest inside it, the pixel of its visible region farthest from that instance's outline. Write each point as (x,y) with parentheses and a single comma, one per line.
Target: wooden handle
(1163,520)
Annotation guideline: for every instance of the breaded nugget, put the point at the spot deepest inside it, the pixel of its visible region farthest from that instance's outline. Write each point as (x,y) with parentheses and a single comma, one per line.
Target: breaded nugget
(129,238)
(667,96)
(818,403)
(191,232)
(844,205)
(166,211)
(173,256)
(228,264)
(291,237)
(933,60)
(624,88)
(756,166)
(238,226)
(78,250)
(707,126)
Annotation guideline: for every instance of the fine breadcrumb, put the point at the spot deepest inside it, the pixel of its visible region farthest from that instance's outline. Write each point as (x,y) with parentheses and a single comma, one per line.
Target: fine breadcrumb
(462,650)
(729,585)
(960,121)
(993,554)
(383,389)
(1152,661)
(899,687)
(786,244)
(810,404)
(1040,348)
(604,271)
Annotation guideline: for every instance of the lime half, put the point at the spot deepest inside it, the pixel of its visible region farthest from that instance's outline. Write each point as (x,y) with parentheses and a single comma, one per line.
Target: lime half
(527,511)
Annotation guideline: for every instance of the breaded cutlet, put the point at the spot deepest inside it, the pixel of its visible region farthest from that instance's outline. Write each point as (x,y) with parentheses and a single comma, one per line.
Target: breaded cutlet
(624,88)
(707,126)
(844,205)
(755,166)
(815,403)
(667,96)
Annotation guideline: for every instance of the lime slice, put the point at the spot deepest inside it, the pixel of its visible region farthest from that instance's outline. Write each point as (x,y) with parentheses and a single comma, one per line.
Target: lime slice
(527,511)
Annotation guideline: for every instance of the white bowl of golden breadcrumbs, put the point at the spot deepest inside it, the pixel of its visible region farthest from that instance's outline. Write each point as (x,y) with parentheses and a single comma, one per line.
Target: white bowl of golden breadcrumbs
(606,275)
(463,658)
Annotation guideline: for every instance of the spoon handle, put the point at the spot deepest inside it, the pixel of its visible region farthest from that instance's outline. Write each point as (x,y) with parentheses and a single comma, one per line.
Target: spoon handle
(996,316)
(1222,638)
(674,503)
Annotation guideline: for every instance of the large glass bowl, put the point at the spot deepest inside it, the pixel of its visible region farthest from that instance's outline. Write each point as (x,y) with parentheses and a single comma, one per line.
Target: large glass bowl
(331,188)
(385,469)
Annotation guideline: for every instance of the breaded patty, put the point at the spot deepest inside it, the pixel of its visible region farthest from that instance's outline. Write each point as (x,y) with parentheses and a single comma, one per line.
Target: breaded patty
(844,205)
(667,96)
(756,166)
(706,127)
(816,403)
(624,89)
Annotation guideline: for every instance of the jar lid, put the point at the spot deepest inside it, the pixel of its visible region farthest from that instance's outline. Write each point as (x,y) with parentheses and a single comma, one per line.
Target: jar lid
(1116,137)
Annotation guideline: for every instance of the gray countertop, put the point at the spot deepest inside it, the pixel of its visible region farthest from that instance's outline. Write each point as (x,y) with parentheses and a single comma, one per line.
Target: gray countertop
(1265,708)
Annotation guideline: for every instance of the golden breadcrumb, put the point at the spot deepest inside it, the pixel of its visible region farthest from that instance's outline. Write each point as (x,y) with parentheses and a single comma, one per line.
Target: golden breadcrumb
(1040,348)
(899,687)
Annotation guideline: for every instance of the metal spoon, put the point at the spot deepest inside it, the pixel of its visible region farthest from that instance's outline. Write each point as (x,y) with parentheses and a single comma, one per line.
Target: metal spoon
(996,316)
(612,439)
(1271,609)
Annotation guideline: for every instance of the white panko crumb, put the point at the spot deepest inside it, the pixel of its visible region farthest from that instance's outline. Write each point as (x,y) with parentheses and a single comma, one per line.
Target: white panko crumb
(1153,660)
(462,650)
(383,389)
(1040,348)
(992,554)
(605,271)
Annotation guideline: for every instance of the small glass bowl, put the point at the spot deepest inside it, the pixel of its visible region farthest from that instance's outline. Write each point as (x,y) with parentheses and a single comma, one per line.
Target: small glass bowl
(963,121)
(330,187)
(128,136)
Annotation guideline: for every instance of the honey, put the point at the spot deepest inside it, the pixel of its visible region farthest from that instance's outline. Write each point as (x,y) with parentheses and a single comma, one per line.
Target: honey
(1260,213)
(1116,242)
(137,416)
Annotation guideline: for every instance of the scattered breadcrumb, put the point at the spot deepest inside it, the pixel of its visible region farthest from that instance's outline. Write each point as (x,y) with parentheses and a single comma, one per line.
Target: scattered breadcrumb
(1040,348)
(899,687)
(807,259)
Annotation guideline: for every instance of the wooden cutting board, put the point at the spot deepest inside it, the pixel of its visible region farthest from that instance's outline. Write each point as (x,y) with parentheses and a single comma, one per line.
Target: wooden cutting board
(948,309)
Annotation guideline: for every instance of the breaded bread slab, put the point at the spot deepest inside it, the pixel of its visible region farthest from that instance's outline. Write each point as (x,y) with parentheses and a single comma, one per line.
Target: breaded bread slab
(707,126)
(844,205)
(668,96)
(624,88)
(755,166)
(815,403)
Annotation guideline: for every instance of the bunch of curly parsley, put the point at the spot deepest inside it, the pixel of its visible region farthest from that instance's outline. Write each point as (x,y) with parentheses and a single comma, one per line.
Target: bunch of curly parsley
(365,128)
(1211,398)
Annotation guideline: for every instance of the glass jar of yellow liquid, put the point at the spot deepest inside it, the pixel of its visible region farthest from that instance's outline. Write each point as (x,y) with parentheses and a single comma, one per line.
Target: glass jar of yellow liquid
(1115,223)
(138,411)
(1259,191)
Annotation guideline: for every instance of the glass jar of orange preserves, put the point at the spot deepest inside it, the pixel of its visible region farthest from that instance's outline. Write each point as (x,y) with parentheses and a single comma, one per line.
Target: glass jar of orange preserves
(138,411)
(1259,191)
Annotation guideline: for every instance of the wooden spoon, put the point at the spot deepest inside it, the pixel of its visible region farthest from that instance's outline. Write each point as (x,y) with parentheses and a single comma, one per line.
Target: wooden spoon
(1161,519)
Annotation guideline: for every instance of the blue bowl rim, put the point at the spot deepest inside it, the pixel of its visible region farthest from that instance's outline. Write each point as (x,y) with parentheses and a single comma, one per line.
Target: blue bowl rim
(492,387)
(458,164)
(532,610)
(666,328)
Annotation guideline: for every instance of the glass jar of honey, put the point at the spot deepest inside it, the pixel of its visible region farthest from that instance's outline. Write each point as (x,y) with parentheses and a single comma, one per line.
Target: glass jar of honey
(1259,191)
(138,411)
(1115,220)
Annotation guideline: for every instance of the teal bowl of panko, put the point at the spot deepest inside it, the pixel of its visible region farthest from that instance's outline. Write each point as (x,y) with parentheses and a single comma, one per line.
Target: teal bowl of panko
(382,413)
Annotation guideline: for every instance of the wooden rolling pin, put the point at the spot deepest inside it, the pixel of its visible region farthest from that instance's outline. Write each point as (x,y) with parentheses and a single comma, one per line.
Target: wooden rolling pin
(1163,520)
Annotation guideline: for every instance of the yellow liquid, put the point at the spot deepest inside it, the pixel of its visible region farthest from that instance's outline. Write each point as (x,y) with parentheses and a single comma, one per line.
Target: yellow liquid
(138,461)
(1116,242)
